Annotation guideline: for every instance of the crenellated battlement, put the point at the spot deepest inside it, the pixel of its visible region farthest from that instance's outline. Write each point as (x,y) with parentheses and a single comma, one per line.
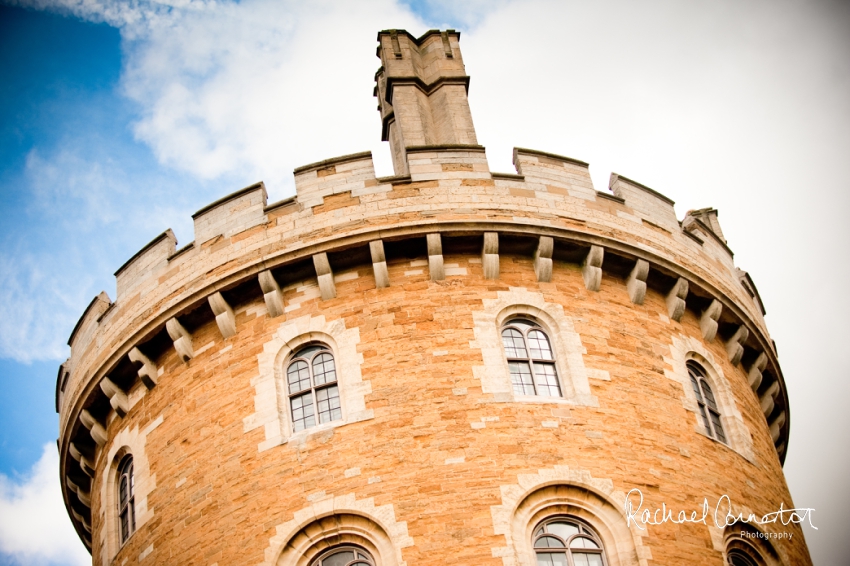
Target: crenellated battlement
(344,222)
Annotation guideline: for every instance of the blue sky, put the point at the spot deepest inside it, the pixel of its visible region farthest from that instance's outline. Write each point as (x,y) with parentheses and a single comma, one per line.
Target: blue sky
(120,119)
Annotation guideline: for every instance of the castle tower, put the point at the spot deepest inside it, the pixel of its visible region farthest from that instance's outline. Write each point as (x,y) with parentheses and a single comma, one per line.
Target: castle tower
(446,366)
(421,89)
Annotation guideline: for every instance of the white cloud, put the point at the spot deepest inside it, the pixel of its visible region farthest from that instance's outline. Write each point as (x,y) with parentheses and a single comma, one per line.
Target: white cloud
(34,527)
(35,301)
(74,199)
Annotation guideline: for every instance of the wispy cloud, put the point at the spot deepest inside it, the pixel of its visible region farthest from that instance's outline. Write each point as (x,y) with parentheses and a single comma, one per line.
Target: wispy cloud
(34,528)
(56,258)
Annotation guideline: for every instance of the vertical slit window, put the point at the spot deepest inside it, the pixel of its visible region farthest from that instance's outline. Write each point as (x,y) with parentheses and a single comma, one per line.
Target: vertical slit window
(531,362)
(709,412)
(126,499)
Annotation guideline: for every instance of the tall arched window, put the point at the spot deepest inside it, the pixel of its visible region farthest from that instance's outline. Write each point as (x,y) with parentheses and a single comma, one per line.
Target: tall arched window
(313,390)
(707,404)
(531,360)
(565,541)
(344,556)
(126,500)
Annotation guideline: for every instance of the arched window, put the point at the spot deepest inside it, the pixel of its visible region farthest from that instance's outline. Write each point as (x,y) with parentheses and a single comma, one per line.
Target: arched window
(740,558)
(344,556)
(126,499)
(531,360)
(707,404)
(313,390)
(565,541)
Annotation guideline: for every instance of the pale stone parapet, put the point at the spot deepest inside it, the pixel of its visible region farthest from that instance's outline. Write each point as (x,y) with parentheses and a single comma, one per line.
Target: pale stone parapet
(708,320)
(182,339)
(650,205)
(591,268)
(325,276)
(451,161)
(735,345)
(435,257)
(117,398)
(88,323)
(636,282)
(754,376)
(553,173)
(676,299)
(713,242)
(776,426)
(98,433)
(86,465)
(151,259)
(272,295)
(224,317)
(379,264)
(709,217)
(543,259)
(490,255)
(147,369)
(346,173)
(232,214)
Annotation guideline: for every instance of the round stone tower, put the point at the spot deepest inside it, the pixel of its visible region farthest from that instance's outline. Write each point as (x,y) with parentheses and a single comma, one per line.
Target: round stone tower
(445,366)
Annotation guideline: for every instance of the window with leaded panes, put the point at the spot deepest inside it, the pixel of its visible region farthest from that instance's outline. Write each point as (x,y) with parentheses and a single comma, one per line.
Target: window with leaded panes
(707,403)
(531,359)
(566,541)
(344,556)
(126,499)
(312,386)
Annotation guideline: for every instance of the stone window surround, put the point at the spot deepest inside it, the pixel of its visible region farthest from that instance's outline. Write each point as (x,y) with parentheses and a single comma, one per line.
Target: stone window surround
(494,376)
(561,491)
(724,540)
(271,401)
(127,441)
(334,520)
(686,348)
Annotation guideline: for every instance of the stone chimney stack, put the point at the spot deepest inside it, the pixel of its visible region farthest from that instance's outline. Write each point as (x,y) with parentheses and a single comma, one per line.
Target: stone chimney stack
(421,89)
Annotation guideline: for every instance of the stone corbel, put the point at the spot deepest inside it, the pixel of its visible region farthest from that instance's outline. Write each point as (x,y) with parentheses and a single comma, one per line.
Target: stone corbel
(591,268)
(636,283)
(83,496)
(325,276)
(224,317)
(271,293)
(182,339)
(98,433)
(147,372)
(435,257)
(768,400)
(86,465)
(708,320)
(543,259)
(754,376)
(776,426)
(82,519)
(117,398)
(379,264)
(676,299)
(490,255)
(735,345)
